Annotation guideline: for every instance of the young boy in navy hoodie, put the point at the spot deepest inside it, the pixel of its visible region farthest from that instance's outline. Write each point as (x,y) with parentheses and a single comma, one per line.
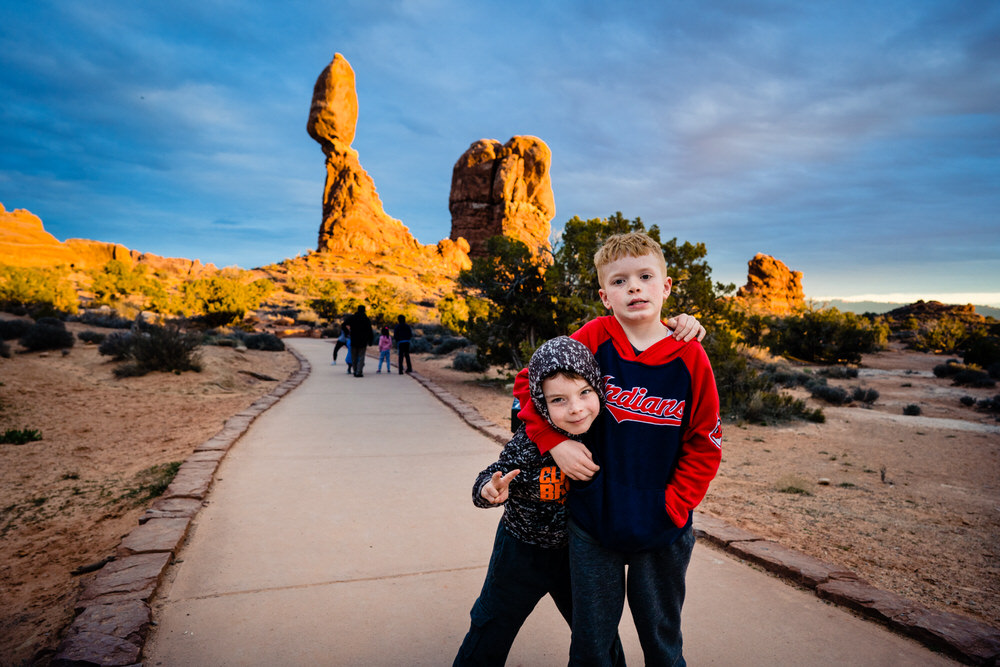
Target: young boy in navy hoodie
(659,445)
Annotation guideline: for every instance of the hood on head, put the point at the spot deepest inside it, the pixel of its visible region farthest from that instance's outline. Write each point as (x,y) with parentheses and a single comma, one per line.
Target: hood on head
(561,354)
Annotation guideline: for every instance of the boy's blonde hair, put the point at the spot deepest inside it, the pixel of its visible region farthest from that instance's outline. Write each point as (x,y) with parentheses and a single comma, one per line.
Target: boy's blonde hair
(631,244)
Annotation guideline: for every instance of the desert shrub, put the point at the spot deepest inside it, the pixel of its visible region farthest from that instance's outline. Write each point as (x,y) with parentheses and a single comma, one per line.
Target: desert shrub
(14,329)
(994,370)
(264,341)
(467,362)
(786,377)
(865,395)
(419,344)
(769,407)
(839,372)
(967,401)
(166,349)
(945,335)
(223,299)
(826,336)
(971,377)
(47,333)
(36,292)
(116,345)
(150,483)
(449,343)
(106,320)
(949,369)
(91,337)
(793,484)
(20,436)
(912,410)
(830,394)
(982,349)
(989,404)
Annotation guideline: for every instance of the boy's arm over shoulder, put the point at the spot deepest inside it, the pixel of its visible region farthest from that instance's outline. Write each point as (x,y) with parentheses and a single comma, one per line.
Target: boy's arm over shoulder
(538,429)
(701,448)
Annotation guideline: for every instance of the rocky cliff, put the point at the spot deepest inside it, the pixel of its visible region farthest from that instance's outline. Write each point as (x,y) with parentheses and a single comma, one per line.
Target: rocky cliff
(771,287)
(24,242)
(503,189)
(354,224)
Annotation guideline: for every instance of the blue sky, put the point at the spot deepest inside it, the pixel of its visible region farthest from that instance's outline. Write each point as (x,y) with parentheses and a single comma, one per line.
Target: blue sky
(857,141)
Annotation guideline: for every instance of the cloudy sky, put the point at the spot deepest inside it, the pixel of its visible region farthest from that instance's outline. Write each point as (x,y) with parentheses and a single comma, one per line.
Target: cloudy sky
(856,141)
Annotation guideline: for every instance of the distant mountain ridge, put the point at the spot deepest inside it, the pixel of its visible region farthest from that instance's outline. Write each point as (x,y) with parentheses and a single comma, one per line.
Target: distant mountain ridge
(881,307)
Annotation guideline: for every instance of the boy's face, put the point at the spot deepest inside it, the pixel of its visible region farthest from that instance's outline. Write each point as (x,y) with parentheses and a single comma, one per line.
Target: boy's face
(573,404)
(634,288)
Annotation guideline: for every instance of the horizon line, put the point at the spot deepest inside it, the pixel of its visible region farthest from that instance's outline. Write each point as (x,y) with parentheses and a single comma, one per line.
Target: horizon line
(990,299)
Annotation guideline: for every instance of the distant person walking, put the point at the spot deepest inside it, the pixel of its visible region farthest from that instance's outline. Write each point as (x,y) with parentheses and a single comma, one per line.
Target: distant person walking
(361,337)
(342,341)
(403,334)
(384,345)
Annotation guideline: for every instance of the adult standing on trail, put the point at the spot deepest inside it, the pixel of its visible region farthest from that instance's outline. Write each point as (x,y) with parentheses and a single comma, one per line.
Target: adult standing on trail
(361,337)
(403,333)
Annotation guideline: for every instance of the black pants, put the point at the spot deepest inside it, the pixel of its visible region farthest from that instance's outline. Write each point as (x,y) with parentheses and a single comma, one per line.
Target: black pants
(336,348)
(404,353)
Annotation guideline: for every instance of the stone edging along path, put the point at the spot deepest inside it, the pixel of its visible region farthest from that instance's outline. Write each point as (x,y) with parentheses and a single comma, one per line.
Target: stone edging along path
(966,640)
(113,613)
(114,616)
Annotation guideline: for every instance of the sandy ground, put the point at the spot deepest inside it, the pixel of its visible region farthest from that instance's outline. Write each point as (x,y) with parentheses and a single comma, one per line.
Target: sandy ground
(68,499)
(928,530)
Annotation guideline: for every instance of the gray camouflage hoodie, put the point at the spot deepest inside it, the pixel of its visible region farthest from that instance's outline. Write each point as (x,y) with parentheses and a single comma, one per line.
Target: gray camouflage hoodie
(535,512)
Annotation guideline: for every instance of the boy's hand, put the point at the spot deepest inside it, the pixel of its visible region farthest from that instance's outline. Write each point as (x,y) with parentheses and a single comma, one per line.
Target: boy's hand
(686,328)
(574,460)
(497,490)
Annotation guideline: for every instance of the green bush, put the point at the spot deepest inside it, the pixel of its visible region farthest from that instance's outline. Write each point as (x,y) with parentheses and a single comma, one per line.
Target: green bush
(949,369)
(467,362)
(14,329)
(264,341)
(839,372)
(825,336)
(20,436)
(983,350)
(865,395)
(104,320)
(971,377)
(419,345)
(912,410)
(47,334)
(448,344)
(91,337)
(967,401)
(117,345)
(830,394)
(165,349)
(36,292)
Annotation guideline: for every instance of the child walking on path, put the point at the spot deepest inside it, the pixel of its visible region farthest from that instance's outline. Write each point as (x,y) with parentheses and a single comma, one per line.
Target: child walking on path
(658,445)
(384,345)
(530,557)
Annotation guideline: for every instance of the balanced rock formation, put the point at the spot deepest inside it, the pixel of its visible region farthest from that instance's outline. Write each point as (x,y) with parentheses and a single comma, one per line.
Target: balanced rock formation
(771,287)
(503,189)
(354,223)
(25,243)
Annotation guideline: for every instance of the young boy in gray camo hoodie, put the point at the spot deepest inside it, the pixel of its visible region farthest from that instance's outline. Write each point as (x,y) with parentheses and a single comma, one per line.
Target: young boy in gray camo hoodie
(530,556)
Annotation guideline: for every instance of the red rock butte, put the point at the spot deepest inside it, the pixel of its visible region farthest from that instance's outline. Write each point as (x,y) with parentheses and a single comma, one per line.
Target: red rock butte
(503,190)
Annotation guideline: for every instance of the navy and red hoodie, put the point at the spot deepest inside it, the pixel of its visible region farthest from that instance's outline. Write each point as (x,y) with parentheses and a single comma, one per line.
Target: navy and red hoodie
(659,443)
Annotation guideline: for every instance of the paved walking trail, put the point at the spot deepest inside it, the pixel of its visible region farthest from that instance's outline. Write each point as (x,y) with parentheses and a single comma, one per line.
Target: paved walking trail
(340,531)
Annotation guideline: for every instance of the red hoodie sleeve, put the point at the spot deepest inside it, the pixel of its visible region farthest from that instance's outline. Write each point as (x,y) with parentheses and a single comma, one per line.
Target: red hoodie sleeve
(537,428)
(701,448)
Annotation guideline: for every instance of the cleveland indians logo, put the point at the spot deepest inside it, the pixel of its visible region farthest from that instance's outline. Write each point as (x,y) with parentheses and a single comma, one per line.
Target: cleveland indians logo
(636,406)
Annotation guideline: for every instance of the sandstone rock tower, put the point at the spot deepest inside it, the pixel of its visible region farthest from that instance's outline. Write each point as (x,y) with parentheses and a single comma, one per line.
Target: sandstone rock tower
(771,287)
(354,222)
(503,189)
